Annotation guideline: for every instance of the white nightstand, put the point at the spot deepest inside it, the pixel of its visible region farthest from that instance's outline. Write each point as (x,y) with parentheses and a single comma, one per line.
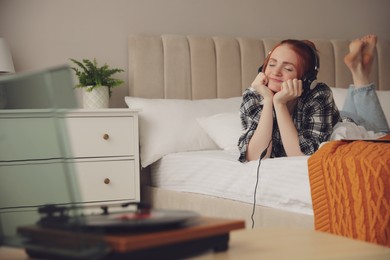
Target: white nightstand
(104,145)
(98,149)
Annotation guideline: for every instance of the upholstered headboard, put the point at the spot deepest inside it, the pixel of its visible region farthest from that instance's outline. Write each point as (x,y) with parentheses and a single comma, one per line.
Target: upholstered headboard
(196,67)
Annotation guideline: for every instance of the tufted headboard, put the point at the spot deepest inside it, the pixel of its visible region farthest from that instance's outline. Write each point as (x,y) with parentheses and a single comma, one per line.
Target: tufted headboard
(199,67)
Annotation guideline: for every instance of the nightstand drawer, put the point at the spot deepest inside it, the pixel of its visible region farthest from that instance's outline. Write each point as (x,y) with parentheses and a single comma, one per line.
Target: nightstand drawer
(28,138)
(107,180)
(101,136)
(36,183)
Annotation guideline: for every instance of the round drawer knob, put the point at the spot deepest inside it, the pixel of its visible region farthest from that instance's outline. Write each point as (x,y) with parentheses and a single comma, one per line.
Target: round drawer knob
(106,180)
(106,136)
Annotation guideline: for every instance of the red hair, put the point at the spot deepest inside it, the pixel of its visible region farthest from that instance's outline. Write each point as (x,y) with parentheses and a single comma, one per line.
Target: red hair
(307,56)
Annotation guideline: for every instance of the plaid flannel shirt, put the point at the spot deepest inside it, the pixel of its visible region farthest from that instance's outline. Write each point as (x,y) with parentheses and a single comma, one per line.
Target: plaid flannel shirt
(314,116)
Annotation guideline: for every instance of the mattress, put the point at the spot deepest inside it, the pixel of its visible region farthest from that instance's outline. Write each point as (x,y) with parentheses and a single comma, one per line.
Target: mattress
(283,183)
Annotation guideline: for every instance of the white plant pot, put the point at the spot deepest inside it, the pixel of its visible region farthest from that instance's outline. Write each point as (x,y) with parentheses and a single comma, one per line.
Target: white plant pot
(97,98)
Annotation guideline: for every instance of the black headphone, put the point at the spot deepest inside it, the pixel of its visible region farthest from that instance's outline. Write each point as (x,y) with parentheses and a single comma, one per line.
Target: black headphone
(309,81)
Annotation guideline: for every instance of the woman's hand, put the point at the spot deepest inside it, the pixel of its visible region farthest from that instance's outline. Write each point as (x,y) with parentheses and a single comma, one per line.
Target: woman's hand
(260,85)
(284,103)
(291,89)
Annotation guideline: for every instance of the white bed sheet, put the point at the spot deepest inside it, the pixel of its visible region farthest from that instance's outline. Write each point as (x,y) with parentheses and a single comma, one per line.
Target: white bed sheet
(283,182)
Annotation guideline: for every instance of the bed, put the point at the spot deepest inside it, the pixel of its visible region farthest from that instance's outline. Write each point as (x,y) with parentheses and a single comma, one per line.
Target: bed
(189,91)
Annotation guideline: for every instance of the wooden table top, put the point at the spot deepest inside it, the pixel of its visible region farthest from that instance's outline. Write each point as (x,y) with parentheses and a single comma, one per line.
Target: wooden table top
(277,243)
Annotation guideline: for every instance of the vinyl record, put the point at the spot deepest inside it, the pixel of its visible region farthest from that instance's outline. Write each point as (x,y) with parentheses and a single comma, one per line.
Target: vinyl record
(139,220)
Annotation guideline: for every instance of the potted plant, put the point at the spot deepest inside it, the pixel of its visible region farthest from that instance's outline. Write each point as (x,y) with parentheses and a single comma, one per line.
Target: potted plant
(97,82)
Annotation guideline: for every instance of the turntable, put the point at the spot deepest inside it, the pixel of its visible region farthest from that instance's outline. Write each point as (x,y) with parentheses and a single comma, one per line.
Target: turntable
(143,233)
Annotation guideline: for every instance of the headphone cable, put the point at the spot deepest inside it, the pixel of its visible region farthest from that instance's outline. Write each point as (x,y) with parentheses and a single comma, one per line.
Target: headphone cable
(257,182)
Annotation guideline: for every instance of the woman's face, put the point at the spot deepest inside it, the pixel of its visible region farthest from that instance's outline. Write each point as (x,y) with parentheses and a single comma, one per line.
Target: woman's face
(282,66)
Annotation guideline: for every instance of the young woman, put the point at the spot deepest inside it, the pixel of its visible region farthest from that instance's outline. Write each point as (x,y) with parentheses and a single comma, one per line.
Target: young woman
(283,114)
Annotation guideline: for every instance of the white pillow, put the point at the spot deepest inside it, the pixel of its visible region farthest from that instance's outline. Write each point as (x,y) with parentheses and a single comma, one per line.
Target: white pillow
(384,99)
(339,95)
(224,129)
(169,125)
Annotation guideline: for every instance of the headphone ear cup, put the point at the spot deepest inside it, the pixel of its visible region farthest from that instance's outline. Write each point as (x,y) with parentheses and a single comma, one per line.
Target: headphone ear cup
(305,83)
(313,84)
(260,69)
(309,82)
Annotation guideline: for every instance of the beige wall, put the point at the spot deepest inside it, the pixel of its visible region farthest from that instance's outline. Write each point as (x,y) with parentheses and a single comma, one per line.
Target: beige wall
(44,33)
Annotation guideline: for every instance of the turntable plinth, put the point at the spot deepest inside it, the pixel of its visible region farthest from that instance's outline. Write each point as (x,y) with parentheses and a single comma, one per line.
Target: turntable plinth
(200,235)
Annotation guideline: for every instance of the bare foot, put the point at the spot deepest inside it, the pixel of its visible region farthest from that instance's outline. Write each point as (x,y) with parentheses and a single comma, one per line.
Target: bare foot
(354,58)
(368,51)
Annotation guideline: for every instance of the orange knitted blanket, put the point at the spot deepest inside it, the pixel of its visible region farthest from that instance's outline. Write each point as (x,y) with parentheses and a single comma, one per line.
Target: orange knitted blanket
(350,188)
